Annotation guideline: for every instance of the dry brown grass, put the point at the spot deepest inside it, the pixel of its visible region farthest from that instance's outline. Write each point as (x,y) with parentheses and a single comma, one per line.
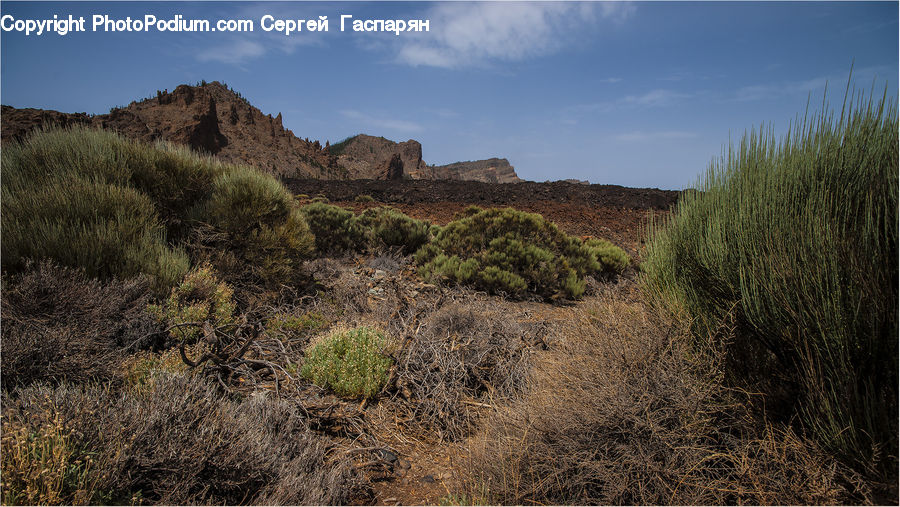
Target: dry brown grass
(463,356)
(620,412)
(183,442)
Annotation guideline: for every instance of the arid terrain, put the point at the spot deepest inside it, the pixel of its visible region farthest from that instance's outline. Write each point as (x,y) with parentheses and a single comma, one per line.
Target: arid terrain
(347,324)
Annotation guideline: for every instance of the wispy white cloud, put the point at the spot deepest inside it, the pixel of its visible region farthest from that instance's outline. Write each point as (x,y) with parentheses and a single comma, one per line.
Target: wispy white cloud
(771,91)
(237,52)
(443,112)
(653,98)
(610,80)
(652,136)
(657,97)
(240,48)
(465,34)
(402,126)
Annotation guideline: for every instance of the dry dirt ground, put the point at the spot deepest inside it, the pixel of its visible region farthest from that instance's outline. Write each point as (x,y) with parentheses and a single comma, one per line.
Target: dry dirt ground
(427,468)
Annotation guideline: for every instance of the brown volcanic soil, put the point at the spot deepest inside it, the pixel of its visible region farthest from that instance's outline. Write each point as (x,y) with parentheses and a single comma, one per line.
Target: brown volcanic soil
(487,194)
(619,214)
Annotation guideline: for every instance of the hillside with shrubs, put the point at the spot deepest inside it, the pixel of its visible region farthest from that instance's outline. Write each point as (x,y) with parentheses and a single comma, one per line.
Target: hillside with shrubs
(180,330)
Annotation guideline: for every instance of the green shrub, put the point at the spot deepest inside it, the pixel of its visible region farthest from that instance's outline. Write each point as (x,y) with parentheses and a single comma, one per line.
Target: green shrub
(115,207)
(513,252)
(389,227)
(364,198)
(74,196)
(335,229)
(258,225)
(200,298)
(796,241)
(612,259)
(350,363)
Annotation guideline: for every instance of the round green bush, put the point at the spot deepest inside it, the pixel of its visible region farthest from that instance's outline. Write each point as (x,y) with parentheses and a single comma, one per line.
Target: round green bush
(69,195)
(515,253)
(350,363)
(199,298)
(335,229)
(389,227)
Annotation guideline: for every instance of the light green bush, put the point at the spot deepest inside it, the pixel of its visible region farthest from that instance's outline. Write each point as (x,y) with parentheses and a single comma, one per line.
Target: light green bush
(200,297)
(795,240)
(388,227)
(259,226)
(92,199)
(516,253)
(335,229)
(70,196)
(350,363)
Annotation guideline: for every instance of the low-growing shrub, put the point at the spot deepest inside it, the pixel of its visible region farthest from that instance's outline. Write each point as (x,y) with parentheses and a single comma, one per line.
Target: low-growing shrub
(621,412)
(200,298)
(391,228)
(364,198)
(257,231)
(515,253)
(184,442)
(795,240)
(335,229)
(350,363)
(58,324)
(44,465)
(461,354)
(117,208)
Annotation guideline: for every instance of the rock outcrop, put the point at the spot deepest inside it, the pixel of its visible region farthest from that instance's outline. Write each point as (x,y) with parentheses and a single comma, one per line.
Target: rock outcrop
(213,119)
(362,152)
(209,118)
(492,170)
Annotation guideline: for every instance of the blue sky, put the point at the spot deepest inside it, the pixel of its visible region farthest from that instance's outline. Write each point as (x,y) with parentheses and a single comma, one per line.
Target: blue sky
(637,94)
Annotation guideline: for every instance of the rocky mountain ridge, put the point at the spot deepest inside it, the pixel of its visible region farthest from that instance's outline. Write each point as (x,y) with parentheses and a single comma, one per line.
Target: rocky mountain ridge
(362,150)
(212,118)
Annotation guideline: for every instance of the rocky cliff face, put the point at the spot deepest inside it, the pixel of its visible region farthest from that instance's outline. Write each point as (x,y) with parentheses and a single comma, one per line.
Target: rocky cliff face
(209,118)
(492,170)
(359,154)
(213,119)
(369,157)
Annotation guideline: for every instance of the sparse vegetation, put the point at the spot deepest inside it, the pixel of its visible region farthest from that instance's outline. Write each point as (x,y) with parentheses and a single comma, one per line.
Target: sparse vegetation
(795,242)
(162,342)
(621,413)
(199,299)
(179,443)
(514,253)
(59,325)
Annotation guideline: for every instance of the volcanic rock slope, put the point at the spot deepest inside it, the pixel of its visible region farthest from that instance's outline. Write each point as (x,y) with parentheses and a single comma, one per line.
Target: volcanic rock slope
(214,119)
(209,118)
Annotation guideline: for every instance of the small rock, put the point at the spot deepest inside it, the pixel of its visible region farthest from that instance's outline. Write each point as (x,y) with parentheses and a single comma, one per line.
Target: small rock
(428,479)
(387,455)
